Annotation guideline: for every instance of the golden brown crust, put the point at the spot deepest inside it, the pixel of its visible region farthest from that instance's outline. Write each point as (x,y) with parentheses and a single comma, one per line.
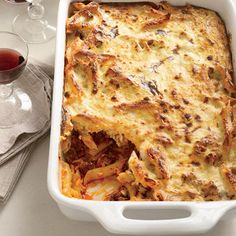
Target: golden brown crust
(149,107)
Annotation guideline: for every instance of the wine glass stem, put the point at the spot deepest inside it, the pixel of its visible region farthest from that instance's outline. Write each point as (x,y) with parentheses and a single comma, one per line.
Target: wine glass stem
(36,23)
(6,90)
(35,10)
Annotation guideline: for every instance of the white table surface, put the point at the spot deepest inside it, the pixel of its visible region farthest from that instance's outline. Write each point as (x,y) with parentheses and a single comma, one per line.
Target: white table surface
(31,211)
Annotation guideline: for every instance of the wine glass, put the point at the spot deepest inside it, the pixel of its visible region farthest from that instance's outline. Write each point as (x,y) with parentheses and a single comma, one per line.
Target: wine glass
(32,25)
(15,104)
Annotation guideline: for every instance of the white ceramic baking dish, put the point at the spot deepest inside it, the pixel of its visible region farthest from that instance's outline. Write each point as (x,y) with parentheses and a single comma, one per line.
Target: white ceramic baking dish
(200,217)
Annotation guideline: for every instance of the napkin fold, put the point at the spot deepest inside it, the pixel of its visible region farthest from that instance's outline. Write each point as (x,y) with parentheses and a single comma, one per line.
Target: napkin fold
(36,95)
(13,159)
(10,172)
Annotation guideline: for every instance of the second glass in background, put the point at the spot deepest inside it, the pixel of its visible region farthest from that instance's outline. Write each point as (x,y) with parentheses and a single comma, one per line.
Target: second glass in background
(32,25)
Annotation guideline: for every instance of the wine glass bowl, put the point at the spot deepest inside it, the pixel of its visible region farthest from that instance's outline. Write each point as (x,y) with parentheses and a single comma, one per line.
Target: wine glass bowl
(13,56)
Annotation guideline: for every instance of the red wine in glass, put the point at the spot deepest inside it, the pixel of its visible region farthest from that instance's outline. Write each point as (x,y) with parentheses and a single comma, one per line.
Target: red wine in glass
(13,59)
(12,63)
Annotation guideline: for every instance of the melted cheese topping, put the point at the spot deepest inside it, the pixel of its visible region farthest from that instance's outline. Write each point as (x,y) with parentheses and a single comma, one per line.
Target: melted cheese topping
(159,77)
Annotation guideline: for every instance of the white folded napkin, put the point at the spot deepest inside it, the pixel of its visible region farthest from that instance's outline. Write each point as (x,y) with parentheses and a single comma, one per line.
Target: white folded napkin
(34,121)
(41,85)
(10,172)
(14,159)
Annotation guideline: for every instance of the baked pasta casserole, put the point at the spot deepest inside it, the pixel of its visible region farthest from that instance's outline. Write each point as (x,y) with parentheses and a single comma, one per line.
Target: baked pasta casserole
(149,108)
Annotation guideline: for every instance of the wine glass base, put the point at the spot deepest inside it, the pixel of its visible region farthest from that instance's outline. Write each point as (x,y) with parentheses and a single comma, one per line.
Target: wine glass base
(15,109)
(33,31)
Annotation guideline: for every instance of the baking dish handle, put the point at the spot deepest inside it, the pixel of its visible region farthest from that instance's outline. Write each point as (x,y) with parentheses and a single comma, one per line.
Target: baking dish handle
(200,220)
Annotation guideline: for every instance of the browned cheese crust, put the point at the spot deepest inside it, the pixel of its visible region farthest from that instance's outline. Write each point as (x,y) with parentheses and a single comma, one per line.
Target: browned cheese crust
(149,111)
